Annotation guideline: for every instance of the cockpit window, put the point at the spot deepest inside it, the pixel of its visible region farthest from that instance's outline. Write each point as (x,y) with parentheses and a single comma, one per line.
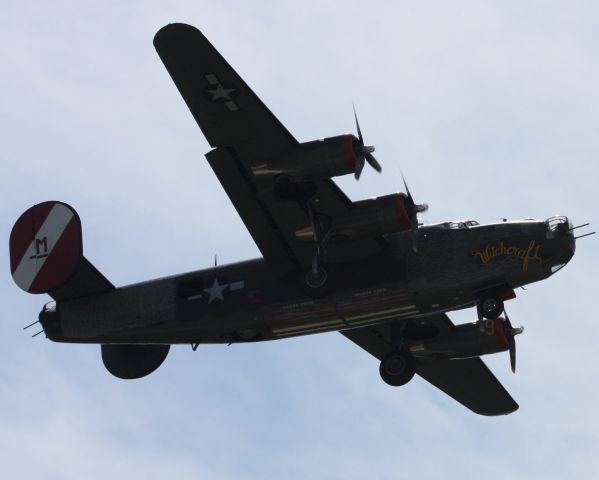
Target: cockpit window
(461,225)
(556,224)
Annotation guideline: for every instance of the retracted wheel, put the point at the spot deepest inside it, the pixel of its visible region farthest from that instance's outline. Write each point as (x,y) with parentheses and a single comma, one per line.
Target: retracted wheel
(316,279)
(490,307)
(315,282)
(397,368)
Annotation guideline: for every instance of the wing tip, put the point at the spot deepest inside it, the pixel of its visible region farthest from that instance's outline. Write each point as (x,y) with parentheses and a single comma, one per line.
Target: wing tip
(496,413)
(174,29)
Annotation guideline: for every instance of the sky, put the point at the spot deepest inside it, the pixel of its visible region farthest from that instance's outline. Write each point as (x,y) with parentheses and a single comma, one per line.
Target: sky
(489,108)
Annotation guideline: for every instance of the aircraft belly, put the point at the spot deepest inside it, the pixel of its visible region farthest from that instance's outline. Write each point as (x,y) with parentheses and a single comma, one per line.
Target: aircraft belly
(154,312)
(247,302)
(339,312)
(300,315)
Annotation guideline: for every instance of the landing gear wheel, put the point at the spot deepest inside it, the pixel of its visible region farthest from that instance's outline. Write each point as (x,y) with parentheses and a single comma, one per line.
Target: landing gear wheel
(315,284)
(490,307)
(316,279)
(397,368)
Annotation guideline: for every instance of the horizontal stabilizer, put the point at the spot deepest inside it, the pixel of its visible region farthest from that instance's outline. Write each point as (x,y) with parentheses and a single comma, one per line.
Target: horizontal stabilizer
(86,280)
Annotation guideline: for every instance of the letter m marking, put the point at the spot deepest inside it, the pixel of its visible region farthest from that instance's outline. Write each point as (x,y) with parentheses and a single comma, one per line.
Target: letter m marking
(43,242)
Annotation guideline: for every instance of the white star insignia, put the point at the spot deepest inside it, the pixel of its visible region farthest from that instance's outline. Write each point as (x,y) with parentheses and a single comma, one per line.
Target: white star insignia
(216,291)
(221,92)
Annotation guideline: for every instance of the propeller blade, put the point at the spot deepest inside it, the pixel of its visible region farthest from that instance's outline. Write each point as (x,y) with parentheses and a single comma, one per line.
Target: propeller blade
(372,162)
(512,344)
(363,152)
(405,184)
(413,210)
(510,333)
(361,140)
(359,166)
(416,207)
(508,324)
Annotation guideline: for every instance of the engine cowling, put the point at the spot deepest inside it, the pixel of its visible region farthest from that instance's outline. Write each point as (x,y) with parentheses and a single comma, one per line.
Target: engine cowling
(325,158)
(372,217)
(464,341)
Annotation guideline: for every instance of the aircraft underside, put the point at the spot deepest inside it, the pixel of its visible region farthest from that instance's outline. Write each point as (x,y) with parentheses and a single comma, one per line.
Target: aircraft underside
(365,268)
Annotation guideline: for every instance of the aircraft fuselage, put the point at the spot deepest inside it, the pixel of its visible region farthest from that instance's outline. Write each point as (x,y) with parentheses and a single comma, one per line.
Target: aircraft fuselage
(454,266)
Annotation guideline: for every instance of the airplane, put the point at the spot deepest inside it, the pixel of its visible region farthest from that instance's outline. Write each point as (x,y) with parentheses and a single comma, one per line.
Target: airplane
(368,269)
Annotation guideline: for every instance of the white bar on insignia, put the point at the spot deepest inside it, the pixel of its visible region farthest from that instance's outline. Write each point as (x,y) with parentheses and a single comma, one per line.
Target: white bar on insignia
(195,297)
(52,228)
(212,80)
(237,285)
(231,105)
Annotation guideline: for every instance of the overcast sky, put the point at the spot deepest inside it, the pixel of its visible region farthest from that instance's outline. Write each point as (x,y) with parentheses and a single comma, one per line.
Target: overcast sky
(490,109)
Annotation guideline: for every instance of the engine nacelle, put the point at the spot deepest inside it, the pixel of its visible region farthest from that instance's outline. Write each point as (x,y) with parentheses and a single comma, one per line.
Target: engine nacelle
(372,217)
(464,341)
(325,158)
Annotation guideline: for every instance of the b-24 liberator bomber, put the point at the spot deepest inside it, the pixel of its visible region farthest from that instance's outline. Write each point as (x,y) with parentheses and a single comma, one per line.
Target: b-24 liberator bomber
(366,268)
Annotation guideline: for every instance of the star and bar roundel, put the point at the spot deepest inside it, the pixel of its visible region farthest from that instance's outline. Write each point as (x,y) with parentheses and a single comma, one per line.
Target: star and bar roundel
(45,247)
(220,92)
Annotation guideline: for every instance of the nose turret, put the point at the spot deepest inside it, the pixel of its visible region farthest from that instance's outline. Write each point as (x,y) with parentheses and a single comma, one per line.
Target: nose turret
(560,243)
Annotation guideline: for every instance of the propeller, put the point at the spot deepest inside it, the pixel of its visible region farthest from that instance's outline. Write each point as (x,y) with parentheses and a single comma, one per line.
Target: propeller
(510,333)
(413,209)
(363,152)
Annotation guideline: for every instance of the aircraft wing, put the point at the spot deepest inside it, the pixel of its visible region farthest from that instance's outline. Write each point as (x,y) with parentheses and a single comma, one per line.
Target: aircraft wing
(244,133)
(468,381)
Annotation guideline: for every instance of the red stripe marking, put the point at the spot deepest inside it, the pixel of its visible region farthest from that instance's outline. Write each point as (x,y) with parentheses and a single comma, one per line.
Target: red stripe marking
(348,150)
(62,261)
(24,231)
(402,213)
